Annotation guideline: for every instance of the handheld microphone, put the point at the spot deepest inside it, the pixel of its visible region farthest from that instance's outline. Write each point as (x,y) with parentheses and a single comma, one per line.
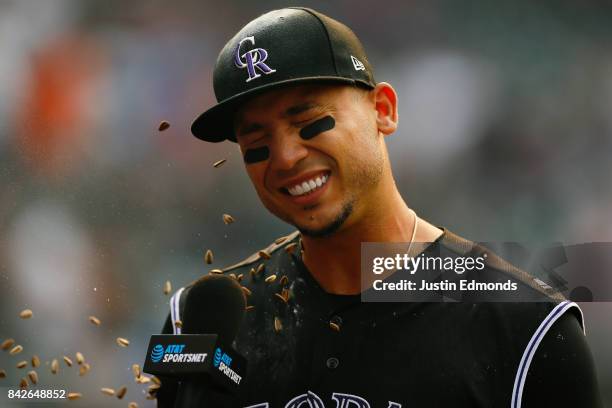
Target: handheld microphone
(202,358)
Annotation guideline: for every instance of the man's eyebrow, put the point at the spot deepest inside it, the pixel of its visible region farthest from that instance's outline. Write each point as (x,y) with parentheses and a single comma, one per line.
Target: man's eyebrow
(301,108)
(244,130)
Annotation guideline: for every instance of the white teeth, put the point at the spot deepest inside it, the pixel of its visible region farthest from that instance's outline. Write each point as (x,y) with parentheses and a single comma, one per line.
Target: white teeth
(308,186)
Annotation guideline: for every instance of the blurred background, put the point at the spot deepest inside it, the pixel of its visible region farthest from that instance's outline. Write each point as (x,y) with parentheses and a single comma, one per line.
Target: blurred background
(505,135)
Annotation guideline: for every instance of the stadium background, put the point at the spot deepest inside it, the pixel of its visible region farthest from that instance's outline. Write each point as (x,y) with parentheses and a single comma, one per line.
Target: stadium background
(505,135)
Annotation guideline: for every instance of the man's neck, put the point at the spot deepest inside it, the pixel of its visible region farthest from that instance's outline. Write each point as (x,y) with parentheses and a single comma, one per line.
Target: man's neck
(335,261)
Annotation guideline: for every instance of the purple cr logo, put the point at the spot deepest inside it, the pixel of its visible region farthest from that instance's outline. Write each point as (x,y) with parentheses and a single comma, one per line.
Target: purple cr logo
(252,60)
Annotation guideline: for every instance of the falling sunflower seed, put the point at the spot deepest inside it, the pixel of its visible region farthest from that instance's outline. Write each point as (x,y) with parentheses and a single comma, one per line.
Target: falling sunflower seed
(132,405)
(249,308)
(94,320)
(122,342)
(219,163)
(246,290)
(239,277)
(156,380)
(283,280)
(228,219)
(25,314)
(208,257)
(84,369)
(334,326)
(121,392)
(252,273)
(233,276)
(22,364)
(285,294)
(178,324)
(163,125)
(33,376)
(153,388)
(23,383)
(289,248)
(68,361)
(260,269)
(16,350)
(74,396)
(54,366)
(263,254)
(108,391)
(35,361)
(216,271)
(2,374)
(279,296)
(143,379)
(167,287)
(80,359)
(278,326)
(270,279)
(7,344)
(136,370)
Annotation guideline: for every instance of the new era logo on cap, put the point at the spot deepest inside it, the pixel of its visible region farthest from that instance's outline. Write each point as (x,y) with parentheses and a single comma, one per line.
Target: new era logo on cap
(357,64)
(252,60)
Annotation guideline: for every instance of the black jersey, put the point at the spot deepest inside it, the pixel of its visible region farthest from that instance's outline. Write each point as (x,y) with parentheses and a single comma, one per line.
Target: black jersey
(307,348)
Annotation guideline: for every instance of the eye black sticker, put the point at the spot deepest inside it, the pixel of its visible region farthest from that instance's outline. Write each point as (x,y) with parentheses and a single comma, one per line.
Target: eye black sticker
(256,155)
(317,127)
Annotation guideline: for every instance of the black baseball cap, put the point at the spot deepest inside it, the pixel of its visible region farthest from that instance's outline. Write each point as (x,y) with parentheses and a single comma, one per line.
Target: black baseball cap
(282,47)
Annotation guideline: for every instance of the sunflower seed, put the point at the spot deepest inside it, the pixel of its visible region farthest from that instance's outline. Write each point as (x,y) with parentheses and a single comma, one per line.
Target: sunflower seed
(108,391)
(280,240)
(7,344)
(283,280)
(35,361)
(136,370)
(150,397)
(264,254)
(163,125)
(219,163)
(278,326)
(84,369)
(22,364)
(156,380)
(74,396)
(16,350)
(167,287)
(33,376)
(252,273)
(208,257)
(178,324)
(23,383)
(80,359)
(123,342)
(216,271)
(239,277)
(270,278)
(2,374)
(54,366)
(289,248)
(285,294)
(68,361)
(143,379)
(25,314)
(279,296)
(248,308)
(228,219)
(334,326)
(153,388)
(260,269)
(94,320)
(132,405)
(121,392)
(246,290)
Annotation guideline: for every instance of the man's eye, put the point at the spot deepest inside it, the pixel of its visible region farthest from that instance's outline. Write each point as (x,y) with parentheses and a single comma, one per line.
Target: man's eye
(317,127)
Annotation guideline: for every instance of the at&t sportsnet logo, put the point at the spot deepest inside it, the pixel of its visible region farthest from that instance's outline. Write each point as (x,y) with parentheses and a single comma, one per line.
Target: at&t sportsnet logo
(173,353)
(223,362)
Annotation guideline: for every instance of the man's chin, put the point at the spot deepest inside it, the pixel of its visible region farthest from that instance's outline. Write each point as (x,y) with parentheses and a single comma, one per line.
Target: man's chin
(330,228)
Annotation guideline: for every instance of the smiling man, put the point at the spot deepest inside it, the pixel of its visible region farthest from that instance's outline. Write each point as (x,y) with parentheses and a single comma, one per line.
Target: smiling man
(297,94)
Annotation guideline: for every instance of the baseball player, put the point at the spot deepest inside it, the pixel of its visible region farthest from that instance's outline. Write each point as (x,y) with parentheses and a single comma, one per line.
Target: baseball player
(296,92)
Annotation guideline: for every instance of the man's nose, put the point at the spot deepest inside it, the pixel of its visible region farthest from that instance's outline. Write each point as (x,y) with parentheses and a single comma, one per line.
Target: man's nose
(286,152)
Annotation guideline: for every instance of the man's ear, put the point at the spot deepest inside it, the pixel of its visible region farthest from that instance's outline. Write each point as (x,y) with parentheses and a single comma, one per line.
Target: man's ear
(385,100)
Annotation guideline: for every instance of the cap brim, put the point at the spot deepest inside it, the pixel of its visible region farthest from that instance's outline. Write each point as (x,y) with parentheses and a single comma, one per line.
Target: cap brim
(217,123)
